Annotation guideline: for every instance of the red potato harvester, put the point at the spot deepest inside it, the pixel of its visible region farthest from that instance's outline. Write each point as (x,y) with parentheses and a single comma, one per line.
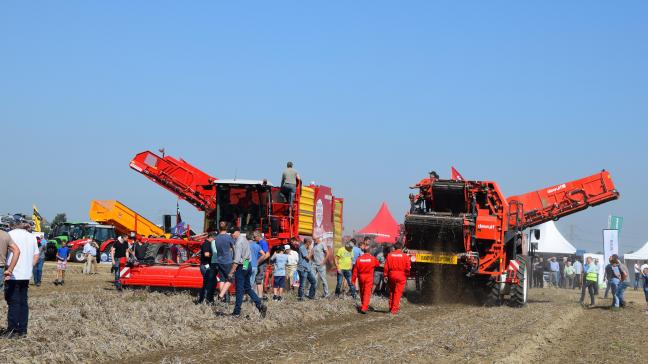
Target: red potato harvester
(469,230)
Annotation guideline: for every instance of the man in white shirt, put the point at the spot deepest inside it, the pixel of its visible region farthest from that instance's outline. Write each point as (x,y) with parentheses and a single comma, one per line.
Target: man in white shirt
(637,276)
(90,252)
(18,281)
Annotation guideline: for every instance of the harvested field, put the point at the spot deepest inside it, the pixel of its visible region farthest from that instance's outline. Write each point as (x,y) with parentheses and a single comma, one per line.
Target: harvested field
(146,327)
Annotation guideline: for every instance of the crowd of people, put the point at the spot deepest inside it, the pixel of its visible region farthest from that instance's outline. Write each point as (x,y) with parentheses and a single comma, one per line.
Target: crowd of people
(299,267)
(571,273)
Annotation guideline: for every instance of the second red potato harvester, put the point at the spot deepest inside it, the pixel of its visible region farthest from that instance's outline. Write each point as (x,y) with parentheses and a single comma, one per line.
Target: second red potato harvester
(465,235)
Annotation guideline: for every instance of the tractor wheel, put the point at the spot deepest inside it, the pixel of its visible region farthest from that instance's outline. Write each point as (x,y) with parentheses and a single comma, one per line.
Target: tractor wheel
(105,255)
(493,294)
(78,256)
(520,291)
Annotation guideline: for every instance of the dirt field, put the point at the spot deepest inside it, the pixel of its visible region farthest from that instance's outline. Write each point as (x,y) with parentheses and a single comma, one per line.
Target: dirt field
(86,320)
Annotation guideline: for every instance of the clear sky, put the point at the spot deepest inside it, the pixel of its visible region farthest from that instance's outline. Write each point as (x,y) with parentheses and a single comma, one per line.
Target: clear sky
(366,97)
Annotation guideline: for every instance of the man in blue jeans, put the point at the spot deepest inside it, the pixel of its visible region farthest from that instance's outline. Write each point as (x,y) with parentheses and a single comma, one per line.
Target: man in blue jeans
(554,268)
(625,282)
(305,269)
(118,252)
(241,271)
(38,268)
(255,249)
(613,276)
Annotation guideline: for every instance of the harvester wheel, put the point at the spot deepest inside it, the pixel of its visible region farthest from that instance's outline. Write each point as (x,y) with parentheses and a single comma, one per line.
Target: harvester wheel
(493,294)
(519,291)
(78,256)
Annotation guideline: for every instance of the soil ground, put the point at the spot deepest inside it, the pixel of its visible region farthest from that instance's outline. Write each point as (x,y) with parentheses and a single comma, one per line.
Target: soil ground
(87,320)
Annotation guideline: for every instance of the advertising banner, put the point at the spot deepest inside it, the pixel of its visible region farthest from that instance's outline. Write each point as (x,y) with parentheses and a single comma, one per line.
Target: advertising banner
(610,244)
(323,222)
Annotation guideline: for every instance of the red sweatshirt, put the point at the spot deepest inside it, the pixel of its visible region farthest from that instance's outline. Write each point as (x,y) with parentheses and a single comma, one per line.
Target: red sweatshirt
(365,264)
(397,261)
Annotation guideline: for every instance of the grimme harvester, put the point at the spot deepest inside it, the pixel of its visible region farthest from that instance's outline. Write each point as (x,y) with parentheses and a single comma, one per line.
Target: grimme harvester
(468,231)
(248,204)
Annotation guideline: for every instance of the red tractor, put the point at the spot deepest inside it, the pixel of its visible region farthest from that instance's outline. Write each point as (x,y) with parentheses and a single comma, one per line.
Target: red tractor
(466,236)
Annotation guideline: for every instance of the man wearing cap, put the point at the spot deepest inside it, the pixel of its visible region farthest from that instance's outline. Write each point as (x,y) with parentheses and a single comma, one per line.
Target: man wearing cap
(397,269)
(364,270)
(17,278)
(241,271)
(305,270)
(343,264)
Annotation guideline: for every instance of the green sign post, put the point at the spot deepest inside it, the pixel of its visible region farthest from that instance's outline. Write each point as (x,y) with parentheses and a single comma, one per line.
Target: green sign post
(615,222)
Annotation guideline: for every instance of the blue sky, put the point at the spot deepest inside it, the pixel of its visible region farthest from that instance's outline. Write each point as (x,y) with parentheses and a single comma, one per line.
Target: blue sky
(366,97)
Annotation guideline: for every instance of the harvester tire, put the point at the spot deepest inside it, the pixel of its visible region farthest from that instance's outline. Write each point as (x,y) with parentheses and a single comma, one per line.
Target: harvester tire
(493,294)
(78,256)
(520,291)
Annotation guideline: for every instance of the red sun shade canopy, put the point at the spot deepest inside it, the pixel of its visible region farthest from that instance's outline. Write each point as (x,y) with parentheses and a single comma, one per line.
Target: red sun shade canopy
(383,226)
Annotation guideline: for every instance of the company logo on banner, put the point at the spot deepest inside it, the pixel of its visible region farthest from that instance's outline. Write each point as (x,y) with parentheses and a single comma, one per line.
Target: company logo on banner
(610,244)
(615,222)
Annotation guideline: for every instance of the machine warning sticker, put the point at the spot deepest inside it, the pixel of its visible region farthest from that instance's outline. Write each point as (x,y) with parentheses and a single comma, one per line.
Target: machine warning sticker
(436,258)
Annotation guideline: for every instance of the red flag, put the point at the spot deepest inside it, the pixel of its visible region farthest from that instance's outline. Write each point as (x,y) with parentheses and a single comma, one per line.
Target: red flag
(455,175)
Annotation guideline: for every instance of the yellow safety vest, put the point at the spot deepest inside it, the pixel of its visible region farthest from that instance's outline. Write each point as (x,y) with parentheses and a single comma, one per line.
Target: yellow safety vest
(591,276)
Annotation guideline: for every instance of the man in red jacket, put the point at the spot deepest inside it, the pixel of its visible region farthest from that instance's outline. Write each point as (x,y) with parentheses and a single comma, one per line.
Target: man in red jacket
(364,270)
(397,269)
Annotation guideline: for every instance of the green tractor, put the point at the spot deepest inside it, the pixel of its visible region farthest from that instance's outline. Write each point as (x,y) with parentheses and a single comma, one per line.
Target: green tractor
(63,232)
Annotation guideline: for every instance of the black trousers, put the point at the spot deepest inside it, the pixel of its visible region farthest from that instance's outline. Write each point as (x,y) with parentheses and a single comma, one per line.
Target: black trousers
(538,278)
(209,283)
(590,287)
(18,308)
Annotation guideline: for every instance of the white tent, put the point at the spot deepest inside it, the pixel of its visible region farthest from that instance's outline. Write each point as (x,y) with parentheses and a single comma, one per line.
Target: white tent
(641,254)
(551,240)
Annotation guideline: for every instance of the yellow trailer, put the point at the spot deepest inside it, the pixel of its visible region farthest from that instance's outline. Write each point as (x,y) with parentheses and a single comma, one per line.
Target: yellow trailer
(125,220)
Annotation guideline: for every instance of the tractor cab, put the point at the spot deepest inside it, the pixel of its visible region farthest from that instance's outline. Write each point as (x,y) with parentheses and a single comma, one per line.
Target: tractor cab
(241,203)
(67,231)
(99,233)
(251,205)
